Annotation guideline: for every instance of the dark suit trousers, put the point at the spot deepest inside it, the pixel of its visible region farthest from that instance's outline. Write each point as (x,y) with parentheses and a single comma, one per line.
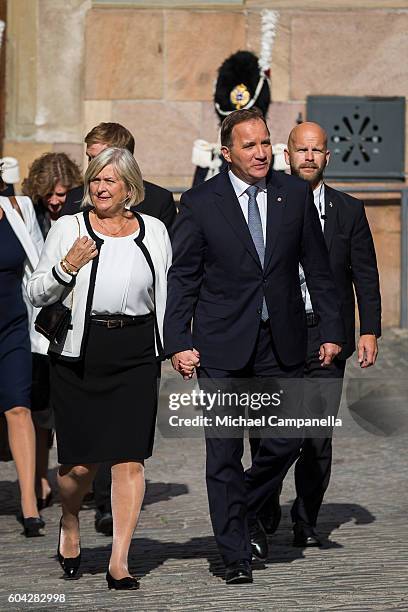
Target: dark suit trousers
(313,468)
(102,487)
(234,496)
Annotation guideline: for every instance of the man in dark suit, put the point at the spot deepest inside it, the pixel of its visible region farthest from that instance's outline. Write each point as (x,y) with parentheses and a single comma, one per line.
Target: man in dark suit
(352,260)
(158,203)
(237,242)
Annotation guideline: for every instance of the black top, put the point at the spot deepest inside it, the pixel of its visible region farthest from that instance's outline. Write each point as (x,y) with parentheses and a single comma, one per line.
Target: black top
(12,257)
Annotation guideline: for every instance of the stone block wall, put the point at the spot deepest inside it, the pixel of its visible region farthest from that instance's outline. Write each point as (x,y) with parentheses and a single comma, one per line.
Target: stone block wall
(74,63)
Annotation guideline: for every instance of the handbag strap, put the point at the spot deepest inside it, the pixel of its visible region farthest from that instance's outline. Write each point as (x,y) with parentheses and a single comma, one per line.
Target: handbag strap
(73,288)
(79,227)
(14,203)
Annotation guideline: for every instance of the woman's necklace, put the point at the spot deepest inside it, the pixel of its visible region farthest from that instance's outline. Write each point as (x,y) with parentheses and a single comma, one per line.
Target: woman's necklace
(103,226)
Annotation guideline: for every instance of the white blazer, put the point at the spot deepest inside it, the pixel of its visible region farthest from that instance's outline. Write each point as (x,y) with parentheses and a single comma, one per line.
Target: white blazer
(49,283)
(29,234)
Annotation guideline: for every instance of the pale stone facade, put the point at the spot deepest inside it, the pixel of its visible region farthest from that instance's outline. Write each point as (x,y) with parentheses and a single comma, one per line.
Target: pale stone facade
(151,66)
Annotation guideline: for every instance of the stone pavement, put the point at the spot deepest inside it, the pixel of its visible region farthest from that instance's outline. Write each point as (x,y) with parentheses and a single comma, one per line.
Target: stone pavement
(362,567)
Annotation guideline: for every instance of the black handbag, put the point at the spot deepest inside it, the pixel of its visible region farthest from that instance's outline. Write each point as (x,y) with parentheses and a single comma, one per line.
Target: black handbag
(53,322)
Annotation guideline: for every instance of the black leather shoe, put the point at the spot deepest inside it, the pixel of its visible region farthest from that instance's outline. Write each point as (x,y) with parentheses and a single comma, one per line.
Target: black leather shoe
(239,572)
(124,584)
(70,565)
(259,543)
(104,522)
(271,513)
(33,526)
(44,502)
(305,536)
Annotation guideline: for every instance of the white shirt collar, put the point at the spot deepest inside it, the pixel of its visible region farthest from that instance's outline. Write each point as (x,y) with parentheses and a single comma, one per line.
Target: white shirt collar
(319,193)
(241,186)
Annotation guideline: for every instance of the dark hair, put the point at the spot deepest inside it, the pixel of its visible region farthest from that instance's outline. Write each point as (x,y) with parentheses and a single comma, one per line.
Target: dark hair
(111,134)
(2,183)
(46,171)
(236,117)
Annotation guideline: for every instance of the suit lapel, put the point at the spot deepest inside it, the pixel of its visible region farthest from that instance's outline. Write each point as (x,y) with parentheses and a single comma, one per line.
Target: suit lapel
(227,202)
(331,212)
(276,199)
(20,230)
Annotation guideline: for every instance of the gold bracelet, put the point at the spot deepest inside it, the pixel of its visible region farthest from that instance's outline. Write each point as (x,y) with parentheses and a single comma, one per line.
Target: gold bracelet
(70,264)
(66,269)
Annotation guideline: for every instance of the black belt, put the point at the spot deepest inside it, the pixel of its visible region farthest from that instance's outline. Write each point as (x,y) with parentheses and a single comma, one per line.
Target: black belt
(113,321)
(312,319)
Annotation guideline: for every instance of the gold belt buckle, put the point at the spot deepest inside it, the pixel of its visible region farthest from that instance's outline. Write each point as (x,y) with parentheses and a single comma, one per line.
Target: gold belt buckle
(111,323)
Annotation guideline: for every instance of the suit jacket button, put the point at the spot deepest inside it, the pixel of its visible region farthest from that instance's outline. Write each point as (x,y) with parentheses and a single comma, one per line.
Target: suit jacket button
(259,311)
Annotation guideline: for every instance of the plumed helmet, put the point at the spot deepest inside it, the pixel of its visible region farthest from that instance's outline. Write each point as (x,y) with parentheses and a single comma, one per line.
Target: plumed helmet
(241,83)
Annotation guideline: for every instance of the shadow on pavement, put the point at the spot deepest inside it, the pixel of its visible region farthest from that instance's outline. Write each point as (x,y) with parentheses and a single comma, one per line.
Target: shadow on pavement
(155,492)
(147,554)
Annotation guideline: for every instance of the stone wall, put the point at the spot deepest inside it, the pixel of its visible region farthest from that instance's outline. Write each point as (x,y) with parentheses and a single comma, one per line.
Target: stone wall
(74,63)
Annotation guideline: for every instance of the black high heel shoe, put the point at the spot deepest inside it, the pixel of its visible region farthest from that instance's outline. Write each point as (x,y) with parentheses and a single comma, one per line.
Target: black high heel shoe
(124,584)
(44,502)
(32,526)
(70,565)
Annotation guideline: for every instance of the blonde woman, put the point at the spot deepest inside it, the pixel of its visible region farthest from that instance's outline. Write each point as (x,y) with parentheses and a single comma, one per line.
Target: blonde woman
(110,266)
(50,178)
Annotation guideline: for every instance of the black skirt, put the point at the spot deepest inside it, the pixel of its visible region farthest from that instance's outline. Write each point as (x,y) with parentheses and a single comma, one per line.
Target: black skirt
(105,405)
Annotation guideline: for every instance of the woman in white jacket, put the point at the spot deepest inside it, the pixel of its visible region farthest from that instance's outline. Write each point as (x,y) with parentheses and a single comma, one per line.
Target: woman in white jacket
(109,265)
(20,245)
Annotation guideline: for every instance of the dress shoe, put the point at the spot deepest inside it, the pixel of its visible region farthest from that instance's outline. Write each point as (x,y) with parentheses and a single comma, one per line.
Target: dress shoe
(44,502)
(305,536)
(104,522)
(33,526)
(259,543)
(124,584)
(239,572)
(70,565)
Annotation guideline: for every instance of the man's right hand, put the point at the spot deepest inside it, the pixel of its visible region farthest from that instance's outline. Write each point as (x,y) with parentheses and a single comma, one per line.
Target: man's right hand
(185,362)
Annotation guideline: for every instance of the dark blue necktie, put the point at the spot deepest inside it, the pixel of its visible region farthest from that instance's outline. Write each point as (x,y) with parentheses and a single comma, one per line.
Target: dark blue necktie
(255,229)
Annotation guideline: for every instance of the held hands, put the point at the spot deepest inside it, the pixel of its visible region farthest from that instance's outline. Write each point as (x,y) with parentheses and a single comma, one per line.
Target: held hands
(367,350)
(185,362)
(83,250)
(327,352)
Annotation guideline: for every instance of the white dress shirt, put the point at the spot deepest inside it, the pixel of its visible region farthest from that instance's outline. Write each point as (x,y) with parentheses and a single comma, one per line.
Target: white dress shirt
(124,282)
(318,196)
(240,188)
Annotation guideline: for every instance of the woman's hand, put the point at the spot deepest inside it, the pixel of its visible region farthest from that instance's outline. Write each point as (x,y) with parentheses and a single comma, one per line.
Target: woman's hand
(83,250)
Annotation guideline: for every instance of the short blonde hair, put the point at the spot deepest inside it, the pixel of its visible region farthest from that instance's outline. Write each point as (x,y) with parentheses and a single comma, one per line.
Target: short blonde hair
(126,169)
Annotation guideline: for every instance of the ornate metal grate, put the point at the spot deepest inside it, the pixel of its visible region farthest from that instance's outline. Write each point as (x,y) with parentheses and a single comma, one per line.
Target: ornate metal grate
(366,136)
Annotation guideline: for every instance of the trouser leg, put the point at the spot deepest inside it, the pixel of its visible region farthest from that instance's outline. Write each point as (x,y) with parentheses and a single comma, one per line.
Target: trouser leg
(225,473)
(226,497)
(313,468)
(312,475)
(273,456)
(102,487)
